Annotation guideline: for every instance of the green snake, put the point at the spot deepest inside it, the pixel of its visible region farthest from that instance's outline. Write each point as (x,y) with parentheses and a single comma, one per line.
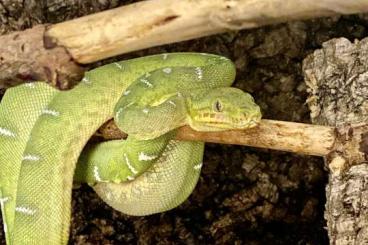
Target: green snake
(43,132)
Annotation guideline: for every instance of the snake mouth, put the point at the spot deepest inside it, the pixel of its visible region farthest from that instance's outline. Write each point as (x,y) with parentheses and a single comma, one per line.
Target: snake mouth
(221,122)
(234,124)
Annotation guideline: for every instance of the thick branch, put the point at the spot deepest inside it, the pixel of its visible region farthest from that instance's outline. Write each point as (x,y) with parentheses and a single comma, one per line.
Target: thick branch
(54,53)
(278,135)
(156,22)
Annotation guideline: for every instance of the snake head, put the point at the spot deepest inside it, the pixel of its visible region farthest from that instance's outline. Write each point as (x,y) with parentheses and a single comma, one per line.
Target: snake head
(222,109)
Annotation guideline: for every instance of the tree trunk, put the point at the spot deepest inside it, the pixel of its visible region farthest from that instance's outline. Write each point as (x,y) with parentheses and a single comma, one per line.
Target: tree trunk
(337,79)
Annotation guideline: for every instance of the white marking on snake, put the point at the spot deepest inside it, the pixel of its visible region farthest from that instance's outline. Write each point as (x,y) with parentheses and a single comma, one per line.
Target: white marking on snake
(5,227)
(198,166)
(130,178)
(6,132)
(172,103)
(145,81)
(118,65)
(96,174)
(30,85)
(118,114)
(86,80)
(131,168)
(2,205)
(164,56)
(130,103)
(167,70)
(144,157)
(25,210)
(126,92)
(199,72)
(145,110)
(3,200)
(30,157)
(50,112)
(147,74)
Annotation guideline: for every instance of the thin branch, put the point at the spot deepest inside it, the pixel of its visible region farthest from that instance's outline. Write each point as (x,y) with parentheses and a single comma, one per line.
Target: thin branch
(278,135)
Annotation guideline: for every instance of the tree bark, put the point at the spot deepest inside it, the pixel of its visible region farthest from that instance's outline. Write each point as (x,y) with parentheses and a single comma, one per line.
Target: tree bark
(337,79)
(24,57)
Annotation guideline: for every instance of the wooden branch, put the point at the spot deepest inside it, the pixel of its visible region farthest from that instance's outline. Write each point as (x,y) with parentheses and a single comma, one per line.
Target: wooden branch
(156,22)
(54,54)
(278,135)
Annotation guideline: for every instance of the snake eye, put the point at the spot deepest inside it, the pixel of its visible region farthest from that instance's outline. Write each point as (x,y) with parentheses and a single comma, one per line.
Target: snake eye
(218,106)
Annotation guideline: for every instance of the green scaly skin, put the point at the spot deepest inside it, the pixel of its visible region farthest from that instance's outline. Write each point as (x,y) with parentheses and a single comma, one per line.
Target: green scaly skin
(43,132)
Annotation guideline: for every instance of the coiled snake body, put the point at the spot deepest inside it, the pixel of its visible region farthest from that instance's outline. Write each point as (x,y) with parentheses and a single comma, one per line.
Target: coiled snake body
(43,132)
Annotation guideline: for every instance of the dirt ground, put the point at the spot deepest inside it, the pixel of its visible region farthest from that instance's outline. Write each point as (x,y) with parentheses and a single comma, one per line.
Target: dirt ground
(245,195)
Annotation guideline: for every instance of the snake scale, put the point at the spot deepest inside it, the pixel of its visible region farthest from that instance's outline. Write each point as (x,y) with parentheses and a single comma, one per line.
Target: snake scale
(43,133)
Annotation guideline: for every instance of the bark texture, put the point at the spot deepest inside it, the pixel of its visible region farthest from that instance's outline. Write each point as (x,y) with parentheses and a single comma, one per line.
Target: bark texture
(337,77)
(24,57)
(28,55)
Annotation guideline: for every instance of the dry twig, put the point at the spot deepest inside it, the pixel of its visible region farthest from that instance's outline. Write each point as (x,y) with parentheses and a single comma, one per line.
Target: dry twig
(278,135)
